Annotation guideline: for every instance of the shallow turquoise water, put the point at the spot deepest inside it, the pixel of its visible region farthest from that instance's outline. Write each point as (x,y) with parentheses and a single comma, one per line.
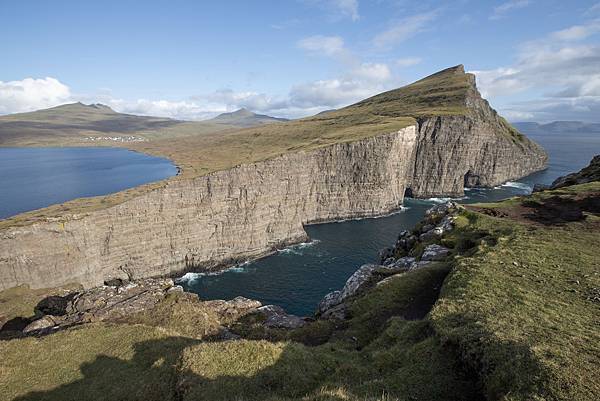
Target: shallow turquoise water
(296,278)
(32,178)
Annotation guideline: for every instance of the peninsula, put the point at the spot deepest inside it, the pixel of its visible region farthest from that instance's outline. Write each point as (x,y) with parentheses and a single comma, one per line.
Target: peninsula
(243,193)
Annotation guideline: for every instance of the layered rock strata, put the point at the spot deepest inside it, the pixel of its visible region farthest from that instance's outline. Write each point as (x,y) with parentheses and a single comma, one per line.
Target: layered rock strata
(242,213)
(250,210)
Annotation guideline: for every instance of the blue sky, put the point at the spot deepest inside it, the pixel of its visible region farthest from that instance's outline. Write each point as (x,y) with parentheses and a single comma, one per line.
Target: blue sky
(535,60)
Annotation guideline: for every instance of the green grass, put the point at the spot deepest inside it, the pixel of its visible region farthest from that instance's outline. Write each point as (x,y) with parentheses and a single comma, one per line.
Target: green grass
(96,362)
(522,311)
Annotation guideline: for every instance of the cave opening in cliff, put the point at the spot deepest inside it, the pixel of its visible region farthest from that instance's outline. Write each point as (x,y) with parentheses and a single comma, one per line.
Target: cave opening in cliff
(408,193)
(471,180)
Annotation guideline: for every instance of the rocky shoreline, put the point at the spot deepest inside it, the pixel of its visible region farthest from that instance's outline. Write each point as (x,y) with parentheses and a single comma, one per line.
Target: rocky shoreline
(118,300)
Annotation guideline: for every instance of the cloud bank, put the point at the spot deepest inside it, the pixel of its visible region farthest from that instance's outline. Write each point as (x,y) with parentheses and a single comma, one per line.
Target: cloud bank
(562,66)
(32,94)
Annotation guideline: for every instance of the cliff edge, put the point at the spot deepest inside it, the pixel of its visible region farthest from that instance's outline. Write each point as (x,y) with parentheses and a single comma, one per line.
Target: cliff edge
(430,138)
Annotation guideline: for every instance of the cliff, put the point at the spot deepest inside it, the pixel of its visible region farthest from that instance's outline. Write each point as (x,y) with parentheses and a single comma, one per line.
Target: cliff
(353,165)
(482,302)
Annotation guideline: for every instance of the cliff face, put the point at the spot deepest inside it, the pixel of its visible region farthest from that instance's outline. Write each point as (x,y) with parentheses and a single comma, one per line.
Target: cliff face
(250,210)
(478,148)
(240,213)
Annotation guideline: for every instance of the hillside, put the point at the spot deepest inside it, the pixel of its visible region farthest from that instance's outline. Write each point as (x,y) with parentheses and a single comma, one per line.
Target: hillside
(508,313)
(245,118)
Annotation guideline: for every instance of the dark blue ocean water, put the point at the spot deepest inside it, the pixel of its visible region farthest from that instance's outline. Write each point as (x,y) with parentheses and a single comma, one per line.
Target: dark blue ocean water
(296,278)
(32,178)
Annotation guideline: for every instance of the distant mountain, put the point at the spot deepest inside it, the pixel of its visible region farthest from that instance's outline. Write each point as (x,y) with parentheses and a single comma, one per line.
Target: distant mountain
(245,118)
(81,124)
(557,127)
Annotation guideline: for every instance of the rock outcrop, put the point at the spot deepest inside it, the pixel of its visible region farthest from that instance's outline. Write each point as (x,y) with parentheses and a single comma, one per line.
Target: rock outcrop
(587,174)
(249,211)
(423,250)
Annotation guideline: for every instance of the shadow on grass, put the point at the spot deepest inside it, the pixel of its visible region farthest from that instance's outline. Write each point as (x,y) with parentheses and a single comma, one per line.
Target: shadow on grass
(157,371)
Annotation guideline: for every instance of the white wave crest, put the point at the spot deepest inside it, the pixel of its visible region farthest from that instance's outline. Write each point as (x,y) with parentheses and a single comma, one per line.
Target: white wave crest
(444,200)
(518,185)
(194,276)
(297,248)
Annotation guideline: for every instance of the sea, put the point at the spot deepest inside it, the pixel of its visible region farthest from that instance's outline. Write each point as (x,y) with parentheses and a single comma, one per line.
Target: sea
(297,277)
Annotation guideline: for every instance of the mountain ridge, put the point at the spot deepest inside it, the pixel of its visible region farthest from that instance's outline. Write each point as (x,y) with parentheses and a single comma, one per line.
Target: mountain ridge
(245,118)
(560,126)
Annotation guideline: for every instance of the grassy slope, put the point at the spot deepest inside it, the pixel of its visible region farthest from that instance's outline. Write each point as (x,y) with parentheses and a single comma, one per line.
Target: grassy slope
(524,312)
(513,331)
(443,93)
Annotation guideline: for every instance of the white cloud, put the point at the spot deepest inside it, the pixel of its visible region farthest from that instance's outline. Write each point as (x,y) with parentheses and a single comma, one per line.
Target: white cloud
(32,94)
(404,29)
(577,32)
(332,46)
(363,81)
(372,72)
(499,82)
(180,110)
(408,61)
(501,10)
(563,73)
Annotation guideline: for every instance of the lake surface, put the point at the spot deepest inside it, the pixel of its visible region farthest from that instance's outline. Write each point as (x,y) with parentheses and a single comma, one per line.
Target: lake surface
(32,178)
(296,278)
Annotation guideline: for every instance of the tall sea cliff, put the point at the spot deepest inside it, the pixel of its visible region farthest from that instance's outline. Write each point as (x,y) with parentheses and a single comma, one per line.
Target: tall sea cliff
(248,211)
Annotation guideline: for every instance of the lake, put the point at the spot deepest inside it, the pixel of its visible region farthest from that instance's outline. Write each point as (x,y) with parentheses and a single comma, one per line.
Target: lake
(297,277)
(33,178)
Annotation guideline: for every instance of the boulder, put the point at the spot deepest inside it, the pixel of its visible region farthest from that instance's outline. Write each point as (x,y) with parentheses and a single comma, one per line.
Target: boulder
(355,283)
(405,262)
(441,209)
(385,253)
(427,227)
(233,309)
(42,324)
(276,317)
(55,305)
(329,301)
(447,224)
(353,286)
(338,312)
(433,234)
(434,252)
(388,261)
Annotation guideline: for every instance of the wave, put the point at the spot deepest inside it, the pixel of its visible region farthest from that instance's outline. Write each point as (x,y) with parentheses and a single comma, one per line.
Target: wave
(444,200)
(194,276)
(518,185)
(297,248)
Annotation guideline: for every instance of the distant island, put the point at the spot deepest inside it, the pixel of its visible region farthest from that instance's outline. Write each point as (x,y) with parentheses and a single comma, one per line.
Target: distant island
(557,127)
